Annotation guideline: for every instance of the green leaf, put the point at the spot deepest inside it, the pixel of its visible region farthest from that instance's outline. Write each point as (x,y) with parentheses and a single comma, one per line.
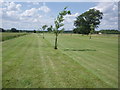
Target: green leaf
(65,7)
(69,12)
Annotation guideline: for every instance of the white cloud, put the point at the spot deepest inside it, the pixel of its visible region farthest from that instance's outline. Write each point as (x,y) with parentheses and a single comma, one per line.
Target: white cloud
(69,21)
(35,20)
(10,11)
(30,12)
(14,7)
(44,9)
(35,3)
(14,16)
(110,15)
(1,1)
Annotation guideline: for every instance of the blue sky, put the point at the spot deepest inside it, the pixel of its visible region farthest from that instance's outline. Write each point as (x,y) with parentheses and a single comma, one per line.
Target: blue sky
(32,15)
(72,6)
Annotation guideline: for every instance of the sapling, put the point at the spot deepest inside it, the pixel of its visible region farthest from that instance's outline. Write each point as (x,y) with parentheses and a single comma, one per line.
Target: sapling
(43,28)
(50,28)
(59,24)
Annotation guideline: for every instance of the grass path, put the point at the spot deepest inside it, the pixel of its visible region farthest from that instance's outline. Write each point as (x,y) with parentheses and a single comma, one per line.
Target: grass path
(31,62)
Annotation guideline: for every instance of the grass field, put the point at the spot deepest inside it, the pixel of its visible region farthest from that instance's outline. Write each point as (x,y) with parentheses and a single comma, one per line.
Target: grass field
(31,62)
(7,36)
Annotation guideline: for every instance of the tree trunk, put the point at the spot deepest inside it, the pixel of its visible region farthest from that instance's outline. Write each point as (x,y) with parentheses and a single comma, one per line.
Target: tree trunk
(71,33)
(56,42)
(43,34)
(90,36)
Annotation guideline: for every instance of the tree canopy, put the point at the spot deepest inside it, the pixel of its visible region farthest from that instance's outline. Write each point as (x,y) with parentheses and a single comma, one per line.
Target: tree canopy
(59,21)
(84,21)
(50,28)
(44,27)
(14,30)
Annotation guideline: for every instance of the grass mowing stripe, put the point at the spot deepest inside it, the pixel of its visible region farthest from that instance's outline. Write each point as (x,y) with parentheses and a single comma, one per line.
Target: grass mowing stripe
(11,50)
(56,82)
(9,43)
(46,78)
(14,64)
(96,61)
(97,70)
(9,35)
(30,66)
(8,55)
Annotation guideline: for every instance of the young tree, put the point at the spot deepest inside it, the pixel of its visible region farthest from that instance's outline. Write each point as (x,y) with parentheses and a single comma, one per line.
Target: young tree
(59,24)
(34,31)
(50,28)
(43,28)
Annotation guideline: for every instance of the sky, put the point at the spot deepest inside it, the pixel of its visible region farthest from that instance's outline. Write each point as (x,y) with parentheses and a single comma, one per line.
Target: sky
(33,15)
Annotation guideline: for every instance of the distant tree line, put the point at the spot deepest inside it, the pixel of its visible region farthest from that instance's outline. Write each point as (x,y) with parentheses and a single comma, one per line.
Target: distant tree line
(110,31)
(107,31)
(15,30)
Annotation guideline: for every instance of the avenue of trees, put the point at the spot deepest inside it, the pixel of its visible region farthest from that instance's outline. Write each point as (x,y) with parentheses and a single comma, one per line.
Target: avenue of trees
(85,24)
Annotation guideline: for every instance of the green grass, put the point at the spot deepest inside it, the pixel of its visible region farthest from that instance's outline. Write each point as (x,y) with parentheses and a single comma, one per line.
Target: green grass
(9,35)
(31,62)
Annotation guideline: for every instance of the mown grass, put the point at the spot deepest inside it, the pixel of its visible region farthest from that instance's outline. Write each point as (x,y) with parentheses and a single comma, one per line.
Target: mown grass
(9,35)
(32,62)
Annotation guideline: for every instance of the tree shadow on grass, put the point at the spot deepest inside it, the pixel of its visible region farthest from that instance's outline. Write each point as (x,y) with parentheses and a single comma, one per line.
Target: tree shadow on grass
(70,49)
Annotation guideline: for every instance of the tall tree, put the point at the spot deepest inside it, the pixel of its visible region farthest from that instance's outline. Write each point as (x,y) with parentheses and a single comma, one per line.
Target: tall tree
(59,24)
(84,21)
(43,28)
